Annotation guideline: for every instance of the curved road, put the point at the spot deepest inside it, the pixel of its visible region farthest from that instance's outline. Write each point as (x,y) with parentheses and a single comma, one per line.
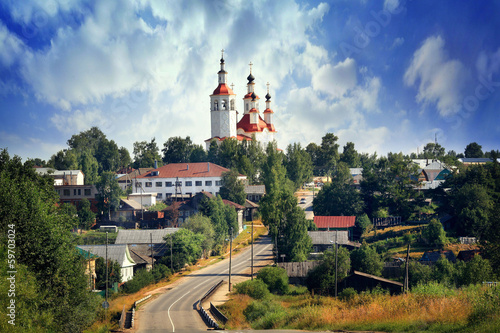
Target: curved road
(174,311)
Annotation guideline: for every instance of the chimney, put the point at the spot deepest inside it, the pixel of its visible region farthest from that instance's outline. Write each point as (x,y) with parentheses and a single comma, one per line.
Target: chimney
(208,166)
(187,166)
(156,164)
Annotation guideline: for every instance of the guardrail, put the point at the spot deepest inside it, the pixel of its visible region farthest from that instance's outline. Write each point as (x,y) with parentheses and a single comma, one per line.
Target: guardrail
(217,314)
(133,309)
(122,318)
(210,322)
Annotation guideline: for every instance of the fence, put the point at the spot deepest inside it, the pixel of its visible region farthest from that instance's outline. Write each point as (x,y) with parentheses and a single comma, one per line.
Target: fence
(203,312)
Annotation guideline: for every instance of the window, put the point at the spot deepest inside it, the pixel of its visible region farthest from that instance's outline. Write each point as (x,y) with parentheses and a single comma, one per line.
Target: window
(189,183)
(168,195)
(216,105)
(66,192)
(168,184)
(74,191)
(86,192)
(149,184)
(159,196)
(198,183)
(208,183)
(223,104)
(178,183)
(158,184)
(232,104)
(218,183)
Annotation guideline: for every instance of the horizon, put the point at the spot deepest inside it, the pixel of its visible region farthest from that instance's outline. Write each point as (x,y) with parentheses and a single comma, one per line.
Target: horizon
(389,76)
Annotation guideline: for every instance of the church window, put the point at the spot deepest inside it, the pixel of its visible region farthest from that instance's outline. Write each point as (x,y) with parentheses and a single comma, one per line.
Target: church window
(247,107)
(257,105)
(232,104)
(216,105)
(223,104)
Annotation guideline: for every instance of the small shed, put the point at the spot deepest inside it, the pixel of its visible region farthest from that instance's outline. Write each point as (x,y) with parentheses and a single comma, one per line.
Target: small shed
(362,281)
(118,253)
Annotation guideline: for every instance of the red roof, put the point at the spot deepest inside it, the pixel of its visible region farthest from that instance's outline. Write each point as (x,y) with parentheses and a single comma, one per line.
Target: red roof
(246,126)
(223,89)
(268,111)
(334,222)
(186,170)
(249,95)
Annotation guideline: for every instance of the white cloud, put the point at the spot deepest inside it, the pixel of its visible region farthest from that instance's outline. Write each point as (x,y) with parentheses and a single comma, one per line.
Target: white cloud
(391,5)
(397,42)
(11,47)
(79,120)
(336,80)
(441,79)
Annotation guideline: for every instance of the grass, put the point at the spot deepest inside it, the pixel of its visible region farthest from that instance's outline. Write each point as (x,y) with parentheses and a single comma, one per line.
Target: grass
(91,237)
(473,309)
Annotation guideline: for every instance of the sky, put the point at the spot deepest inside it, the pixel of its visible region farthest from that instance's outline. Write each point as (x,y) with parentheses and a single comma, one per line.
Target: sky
(387,75)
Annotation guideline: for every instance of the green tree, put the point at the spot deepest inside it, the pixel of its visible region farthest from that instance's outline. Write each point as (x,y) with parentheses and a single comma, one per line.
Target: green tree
(89,166)
(108,156)
(275,278)
(114,273)
(49,269)
(186,248)
(69,211)
(350,156)
(228,151)
(298,165)
(146,154)
(314,153)
(432,151)
(232,188)
(108,193)
(177,150)
(125,159)
(200,224)
(328,154)
(476,271)
(435,234)
(362,224)
(86,216)
(367,260)
(323,276)
(473,150)
(213,152)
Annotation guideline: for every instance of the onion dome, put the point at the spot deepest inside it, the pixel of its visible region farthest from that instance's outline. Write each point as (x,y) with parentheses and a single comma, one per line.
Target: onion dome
(268,97)
(250,78)
(253,96)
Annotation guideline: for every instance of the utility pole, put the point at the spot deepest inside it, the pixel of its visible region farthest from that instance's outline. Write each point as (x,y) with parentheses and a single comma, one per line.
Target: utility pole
(171,254)
(152,260)
(252,252)
(106,275)
(407,276)
(336,262)
(230,255)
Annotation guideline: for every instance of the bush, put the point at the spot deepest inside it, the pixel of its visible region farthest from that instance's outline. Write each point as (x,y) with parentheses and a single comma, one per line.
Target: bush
(160,271)
(141,279)
(259,310)
(347,294)
(256,289)
(275,278)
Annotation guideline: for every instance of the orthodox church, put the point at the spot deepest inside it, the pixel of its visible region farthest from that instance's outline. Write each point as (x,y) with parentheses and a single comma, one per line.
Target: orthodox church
(224,117)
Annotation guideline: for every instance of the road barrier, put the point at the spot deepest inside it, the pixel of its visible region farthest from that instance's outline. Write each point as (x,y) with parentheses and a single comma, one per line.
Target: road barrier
(206,317)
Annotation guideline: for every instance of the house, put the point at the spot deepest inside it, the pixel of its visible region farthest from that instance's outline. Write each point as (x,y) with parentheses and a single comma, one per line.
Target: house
(89,267)
(362,281)
(357,176)
(125,180)
(467,255)
(70,186)
(181,211)
(181,180)
(63,177)
(431,257)
(116,252)
(475,161)
(324,240)
(255,192)
(332,223)
(432,175)
(140,243)
(251,210)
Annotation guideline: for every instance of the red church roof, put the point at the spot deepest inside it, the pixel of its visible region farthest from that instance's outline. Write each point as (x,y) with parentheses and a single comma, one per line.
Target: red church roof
(249,95)
(223,89)
(248,127)
(239,137)
(186,170)
(334,222)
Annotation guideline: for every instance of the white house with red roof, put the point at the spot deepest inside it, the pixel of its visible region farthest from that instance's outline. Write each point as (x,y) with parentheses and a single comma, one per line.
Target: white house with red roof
(181,180)
(332,223)
(223,114)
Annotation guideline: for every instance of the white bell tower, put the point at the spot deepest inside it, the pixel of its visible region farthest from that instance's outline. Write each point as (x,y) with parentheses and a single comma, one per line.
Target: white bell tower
(222,107)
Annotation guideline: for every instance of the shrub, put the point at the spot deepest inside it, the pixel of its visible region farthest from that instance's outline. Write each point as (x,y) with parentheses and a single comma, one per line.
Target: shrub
(275,278)
(256,289)
(160,271)
(347,294)
(141,279)
(260,310)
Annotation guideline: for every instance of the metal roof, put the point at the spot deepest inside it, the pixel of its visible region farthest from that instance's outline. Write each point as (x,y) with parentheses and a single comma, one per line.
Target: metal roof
(325,222)
(327,237)
(143,236)
(118,253)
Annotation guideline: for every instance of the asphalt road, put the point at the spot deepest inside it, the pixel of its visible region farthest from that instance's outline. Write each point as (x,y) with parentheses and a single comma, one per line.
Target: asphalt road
(174,311)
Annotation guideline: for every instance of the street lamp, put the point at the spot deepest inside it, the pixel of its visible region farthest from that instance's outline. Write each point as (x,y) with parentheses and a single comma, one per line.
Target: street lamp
(251,259)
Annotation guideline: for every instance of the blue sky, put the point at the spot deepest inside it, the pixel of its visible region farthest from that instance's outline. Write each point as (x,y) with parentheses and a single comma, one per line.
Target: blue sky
(389,75)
